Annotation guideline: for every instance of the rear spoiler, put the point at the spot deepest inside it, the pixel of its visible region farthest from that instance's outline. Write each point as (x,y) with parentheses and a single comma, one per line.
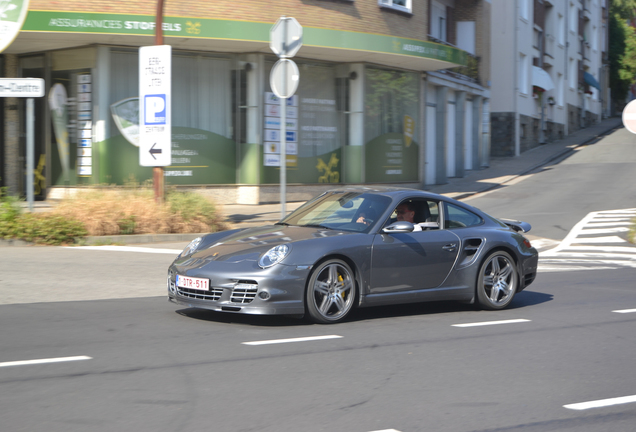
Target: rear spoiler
(516,225)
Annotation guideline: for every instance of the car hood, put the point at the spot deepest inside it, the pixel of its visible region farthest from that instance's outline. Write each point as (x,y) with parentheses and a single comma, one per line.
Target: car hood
(250,244)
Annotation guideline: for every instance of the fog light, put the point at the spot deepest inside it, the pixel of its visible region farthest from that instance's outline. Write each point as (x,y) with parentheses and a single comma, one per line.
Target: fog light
(171,286)
(263,295)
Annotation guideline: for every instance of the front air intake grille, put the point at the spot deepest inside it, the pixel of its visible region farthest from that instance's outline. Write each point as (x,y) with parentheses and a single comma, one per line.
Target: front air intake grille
(214,293)
(244,292)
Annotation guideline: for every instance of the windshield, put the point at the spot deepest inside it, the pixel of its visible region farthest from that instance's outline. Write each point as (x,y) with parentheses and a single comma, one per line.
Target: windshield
(347,211)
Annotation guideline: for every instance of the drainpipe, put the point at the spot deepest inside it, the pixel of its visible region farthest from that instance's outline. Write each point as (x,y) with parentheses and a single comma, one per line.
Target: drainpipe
(516,75)
(566,125)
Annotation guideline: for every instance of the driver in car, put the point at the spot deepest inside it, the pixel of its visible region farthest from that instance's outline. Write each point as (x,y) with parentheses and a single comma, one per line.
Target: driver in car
(406,212)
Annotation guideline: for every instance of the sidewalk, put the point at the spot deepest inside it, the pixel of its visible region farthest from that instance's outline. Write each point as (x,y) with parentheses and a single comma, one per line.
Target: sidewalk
(500,171)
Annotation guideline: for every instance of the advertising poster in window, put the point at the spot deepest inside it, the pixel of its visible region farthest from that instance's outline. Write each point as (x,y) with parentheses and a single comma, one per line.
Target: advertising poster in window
(314,151)
(203,150)
(391,110)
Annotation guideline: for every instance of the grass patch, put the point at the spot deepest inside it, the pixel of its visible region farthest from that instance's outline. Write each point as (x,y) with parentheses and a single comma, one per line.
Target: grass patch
(134,211)
(103,212)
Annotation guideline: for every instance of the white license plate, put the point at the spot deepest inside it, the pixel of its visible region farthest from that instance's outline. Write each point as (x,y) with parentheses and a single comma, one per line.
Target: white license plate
(193,283)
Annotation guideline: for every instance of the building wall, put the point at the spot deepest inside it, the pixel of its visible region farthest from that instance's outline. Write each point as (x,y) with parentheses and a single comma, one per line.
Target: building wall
(358,16)
(363,17)
(560,28)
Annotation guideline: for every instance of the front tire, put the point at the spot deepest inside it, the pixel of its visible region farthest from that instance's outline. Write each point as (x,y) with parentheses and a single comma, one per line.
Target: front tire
(331,292)
(497,281)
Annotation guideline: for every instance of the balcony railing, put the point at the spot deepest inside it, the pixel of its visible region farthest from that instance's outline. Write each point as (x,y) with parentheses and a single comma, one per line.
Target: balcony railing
(470,72)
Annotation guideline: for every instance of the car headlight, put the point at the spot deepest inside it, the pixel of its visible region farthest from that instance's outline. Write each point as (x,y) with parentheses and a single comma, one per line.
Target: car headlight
(273,256)
(192,247)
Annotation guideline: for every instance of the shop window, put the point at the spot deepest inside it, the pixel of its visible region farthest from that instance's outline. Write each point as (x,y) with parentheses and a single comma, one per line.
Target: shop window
(204,147)
(315,127)
(390,132)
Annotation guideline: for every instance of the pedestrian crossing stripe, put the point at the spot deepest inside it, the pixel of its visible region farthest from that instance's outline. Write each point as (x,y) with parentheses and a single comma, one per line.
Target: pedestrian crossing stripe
(589,247)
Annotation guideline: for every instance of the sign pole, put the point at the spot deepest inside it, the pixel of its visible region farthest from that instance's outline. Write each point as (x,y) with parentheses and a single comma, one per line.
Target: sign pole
(28,88)
(283,156)
(157,172)
(285,40)
(283,137)
(30,152)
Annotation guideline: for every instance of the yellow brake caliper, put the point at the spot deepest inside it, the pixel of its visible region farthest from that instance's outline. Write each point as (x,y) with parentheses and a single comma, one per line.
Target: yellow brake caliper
(340,279)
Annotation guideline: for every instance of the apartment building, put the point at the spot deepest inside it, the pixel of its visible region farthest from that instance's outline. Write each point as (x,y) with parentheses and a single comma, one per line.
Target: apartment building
(549,65)
(390,92)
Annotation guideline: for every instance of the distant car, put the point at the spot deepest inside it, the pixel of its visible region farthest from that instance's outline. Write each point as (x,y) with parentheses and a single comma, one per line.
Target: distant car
(346,248)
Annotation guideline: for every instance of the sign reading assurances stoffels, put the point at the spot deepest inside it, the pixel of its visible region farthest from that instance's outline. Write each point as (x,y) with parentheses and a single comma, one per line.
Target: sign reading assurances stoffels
(155,114)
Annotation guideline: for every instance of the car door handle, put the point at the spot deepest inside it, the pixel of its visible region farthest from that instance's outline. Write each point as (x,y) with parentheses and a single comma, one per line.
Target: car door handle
(450,247)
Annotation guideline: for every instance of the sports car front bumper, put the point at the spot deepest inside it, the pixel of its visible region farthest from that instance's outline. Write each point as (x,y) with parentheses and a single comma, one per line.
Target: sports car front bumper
(244,288)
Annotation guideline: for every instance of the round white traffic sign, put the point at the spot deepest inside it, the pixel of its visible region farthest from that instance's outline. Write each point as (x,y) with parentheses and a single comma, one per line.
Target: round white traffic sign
(286,37)
(284,78)
(629,117)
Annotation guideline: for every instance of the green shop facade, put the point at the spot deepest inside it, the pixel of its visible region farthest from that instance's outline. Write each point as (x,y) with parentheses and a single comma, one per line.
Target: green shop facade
(356,118)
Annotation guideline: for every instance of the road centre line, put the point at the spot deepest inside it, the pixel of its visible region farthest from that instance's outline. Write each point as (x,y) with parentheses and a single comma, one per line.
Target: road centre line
(128,249)
(625,311)
(489,323)
(601,403)
(302,339)
(44,361)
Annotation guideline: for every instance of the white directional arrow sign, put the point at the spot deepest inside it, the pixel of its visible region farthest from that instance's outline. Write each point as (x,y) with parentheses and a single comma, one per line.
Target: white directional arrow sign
(155,100)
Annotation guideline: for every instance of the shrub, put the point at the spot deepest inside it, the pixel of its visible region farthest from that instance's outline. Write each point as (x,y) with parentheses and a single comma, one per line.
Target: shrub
(42,228)
(49,229)
(132,210)
(9,207)
(97,212)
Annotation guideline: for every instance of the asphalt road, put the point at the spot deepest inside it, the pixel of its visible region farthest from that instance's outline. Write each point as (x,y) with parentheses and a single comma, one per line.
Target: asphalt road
(599,176)
(90,343)
(151,366)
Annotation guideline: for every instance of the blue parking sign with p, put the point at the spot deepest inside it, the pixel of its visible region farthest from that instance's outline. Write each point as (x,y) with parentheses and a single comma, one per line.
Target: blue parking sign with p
(155,109)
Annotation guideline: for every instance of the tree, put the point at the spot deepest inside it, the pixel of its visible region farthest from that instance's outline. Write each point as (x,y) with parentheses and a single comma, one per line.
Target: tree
(622,48)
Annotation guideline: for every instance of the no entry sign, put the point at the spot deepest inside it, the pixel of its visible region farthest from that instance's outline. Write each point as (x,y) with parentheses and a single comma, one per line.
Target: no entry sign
(629,117)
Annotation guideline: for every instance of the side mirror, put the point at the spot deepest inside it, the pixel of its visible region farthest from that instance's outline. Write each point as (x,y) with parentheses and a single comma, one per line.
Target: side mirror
(398,227)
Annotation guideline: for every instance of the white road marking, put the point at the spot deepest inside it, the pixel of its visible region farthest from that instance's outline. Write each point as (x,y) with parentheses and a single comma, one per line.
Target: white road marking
(609,239)
(590,245)
(44,361)
(548,269)
(588,231)
(601,403)
(621,249)
(302,339)
(489,323)
(387,430)
(625,311)
(128,249)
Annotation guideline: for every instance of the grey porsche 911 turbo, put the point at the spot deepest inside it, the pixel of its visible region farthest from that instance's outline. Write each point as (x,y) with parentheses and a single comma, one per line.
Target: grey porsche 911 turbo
(357,247)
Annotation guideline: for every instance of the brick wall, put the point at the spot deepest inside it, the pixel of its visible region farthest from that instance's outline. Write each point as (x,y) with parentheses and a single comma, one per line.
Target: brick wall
(360,16)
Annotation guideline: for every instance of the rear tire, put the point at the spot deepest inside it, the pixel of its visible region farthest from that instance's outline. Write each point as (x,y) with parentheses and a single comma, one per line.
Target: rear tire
(331,292)
(497,281)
